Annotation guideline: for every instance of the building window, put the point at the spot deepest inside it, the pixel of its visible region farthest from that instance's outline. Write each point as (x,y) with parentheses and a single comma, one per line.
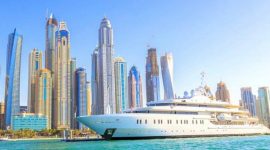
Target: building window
(145,121)
(154,121)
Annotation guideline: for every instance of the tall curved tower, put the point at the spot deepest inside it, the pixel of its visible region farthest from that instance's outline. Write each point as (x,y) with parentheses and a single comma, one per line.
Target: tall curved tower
(106,104)
(166,63)
(13,69)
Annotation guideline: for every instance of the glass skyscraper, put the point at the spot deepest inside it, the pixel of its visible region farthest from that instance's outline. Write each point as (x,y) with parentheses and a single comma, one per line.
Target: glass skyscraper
(152,76)
(50,56)
(135,95)
(62,102)
(264,99)
(13,68)
(248,100)
(35,64)
(51,28)
(81,94)
(166,63)
(121,85)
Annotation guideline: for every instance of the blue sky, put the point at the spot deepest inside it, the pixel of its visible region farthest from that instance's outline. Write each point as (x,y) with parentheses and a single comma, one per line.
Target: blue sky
(227,39)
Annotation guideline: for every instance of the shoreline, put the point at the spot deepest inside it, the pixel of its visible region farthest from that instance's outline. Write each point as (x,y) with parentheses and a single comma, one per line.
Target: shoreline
(46,138)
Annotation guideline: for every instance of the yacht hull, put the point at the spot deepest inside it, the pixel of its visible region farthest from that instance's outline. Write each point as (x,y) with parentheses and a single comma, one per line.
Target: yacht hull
(150,126)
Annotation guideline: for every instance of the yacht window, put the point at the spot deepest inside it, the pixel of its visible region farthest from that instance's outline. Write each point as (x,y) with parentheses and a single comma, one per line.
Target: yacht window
(176,121)
(170,121)
(154,121)
(196,122)
(158,121)
(140,121)
(145,121)
(161,121)
(137,121)
(181,121)
(192,121)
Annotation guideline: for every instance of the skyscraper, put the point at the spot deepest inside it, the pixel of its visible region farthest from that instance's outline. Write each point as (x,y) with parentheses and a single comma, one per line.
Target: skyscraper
(89,98)
(81,94)
(50,56)
(121,85)
(152,76)
(43,96)
(106,97)
(13,68)
(166,63)
(135,95)
(62,106)
(73,120)
(264,99)
(94,83)
(2,115)
(51,28)
(222,92)
(248,100)
(35,64)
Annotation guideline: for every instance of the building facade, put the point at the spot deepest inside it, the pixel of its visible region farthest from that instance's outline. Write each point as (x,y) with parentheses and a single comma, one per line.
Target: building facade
(2,115)
(62,101)
(73,120)
(35,64)
(43,104)
(50,56)
(13,68)
(29,121)
(248,100)
(264,99)
(106,91)
(222,92)
(89,98)
(121,84)
(166,63)
(81,94)
(135,95)
(94,83)
(152,76)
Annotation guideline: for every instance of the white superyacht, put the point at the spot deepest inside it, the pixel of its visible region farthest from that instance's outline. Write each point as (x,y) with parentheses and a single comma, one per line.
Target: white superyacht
(187,117)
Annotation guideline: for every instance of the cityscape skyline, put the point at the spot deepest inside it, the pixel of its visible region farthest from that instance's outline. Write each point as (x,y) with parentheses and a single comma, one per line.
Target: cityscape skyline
(191,73)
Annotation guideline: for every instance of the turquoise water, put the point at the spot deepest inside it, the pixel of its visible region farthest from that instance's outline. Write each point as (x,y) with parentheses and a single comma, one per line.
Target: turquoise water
(228,143)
